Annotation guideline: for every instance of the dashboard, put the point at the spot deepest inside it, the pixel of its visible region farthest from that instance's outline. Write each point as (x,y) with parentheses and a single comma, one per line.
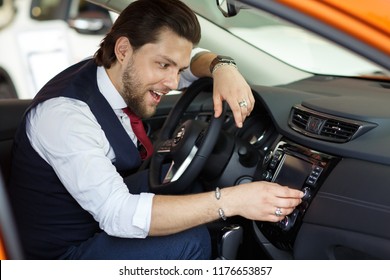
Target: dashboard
(333,143)
(330,138)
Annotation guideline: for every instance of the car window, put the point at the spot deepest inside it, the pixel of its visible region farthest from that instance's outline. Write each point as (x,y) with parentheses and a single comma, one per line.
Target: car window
(294,45)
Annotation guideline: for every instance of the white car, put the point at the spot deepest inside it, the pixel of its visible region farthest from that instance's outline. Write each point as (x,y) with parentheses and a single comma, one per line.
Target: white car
(39,38)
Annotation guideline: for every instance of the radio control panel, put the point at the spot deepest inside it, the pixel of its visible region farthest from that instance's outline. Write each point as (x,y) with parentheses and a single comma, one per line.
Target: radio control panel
(295,166)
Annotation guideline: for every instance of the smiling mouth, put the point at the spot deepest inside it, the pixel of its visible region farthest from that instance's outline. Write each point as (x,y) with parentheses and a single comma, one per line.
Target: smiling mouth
(156,95)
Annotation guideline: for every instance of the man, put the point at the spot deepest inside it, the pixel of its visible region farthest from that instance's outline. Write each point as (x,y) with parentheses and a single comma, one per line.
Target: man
(70,199)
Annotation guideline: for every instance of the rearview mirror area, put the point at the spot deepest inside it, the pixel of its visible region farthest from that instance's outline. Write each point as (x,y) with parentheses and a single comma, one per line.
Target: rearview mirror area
(227,7)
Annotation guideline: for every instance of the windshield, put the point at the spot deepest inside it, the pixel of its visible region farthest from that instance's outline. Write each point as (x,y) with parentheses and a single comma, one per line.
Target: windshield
(296,46)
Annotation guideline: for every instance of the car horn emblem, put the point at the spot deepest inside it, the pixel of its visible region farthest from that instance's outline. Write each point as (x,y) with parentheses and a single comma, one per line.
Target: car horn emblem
(179,136)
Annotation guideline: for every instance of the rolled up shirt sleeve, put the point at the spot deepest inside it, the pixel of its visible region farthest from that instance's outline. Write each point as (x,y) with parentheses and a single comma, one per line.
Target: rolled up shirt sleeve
(143,215)
(131,218)
(186,77)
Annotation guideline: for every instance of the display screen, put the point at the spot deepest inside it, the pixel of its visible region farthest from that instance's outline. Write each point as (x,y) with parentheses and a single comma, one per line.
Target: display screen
(292,172)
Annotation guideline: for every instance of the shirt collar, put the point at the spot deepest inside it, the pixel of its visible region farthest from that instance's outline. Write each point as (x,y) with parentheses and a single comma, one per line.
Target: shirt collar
(108,90)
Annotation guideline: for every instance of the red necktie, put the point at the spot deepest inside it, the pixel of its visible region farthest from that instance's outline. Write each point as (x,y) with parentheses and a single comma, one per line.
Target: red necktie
(139,131)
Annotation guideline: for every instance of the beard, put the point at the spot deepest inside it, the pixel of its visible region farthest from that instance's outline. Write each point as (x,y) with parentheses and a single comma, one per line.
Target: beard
(134,93)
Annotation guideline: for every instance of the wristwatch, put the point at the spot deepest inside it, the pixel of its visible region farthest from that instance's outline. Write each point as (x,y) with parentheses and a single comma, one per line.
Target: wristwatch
(223,60)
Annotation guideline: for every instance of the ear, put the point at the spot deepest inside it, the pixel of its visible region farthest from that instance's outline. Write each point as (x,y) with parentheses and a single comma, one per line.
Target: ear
(122,48)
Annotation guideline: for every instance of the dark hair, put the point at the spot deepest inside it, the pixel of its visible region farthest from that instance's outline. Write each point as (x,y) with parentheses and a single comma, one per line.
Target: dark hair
(142,21)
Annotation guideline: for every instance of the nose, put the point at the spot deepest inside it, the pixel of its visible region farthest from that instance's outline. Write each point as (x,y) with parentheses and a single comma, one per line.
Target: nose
(172,80)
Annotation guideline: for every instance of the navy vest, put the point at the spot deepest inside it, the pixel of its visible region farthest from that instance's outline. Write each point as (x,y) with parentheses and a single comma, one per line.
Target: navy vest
(48,218)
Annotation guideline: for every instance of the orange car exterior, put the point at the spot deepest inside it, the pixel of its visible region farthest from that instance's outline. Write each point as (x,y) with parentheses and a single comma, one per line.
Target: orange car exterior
(366,20)
(2,250)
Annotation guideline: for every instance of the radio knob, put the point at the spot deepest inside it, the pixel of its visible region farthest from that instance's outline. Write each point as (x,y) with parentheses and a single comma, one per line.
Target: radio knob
(306,193)
(267,158)
(267,176)
(286,224)
(289,221)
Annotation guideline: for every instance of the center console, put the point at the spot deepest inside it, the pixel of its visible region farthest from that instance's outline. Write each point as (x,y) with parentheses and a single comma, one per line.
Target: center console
(298,167)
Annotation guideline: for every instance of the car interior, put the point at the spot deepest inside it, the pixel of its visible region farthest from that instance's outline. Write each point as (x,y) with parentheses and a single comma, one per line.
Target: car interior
(327,135)
(276,144)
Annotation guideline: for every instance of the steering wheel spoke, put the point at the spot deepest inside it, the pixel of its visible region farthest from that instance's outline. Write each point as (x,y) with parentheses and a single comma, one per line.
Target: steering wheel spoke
(183,167)
(165,147)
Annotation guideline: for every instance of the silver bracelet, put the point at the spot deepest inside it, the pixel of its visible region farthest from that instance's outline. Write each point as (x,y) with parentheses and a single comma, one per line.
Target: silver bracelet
(217,193)
(221,213)
(223,64)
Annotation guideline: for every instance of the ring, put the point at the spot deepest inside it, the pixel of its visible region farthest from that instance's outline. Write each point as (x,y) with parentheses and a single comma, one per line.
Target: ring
(243,103)
(278,212)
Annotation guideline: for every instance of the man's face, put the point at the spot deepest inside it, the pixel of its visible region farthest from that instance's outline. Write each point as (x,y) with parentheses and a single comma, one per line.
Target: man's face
(153,70)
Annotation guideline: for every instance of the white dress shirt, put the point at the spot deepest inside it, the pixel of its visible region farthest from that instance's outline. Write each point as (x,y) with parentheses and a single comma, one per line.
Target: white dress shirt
(66,134)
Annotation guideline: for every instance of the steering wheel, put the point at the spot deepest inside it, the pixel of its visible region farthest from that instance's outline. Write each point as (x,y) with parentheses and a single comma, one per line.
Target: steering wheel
(186,146)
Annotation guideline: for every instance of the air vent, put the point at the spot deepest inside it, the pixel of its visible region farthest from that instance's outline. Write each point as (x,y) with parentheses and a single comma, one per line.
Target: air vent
(326,127)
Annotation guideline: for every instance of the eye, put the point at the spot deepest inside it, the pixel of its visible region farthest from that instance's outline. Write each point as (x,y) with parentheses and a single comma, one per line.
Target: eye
(164,65)
(182,70)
